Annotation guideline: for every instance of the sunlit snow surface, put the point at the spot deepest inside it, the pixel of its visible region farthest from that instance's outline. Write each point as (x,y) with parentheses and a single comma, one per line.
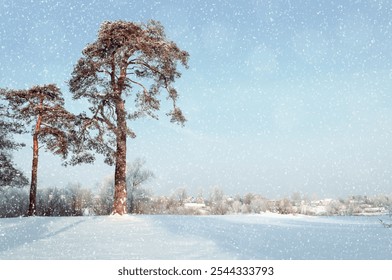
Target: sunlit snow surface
(195,237)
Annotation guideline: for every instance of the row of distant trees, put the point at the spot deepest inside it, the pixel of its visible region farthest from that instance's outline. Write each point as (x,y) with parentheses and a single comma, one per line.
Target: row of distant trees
(75,200)
(128,61)
(220,204)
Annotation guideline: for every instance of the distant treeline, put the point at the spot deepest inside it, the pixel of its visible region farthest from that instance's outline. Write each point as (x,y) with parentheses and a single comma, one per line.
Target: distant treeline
(75,200)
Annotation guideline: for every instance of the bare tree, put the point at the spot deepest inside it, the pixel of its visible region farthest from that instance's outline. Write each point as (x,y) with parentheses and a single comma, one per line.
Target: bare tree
(42,107)
(284,206)
(136,176)
(218,202)
(127,59)
(104,201)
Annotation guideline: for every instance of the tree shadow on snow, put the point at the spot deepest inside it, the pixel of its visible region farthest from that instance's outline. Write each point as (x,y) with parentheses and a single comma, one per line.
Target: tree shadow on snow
(16,232)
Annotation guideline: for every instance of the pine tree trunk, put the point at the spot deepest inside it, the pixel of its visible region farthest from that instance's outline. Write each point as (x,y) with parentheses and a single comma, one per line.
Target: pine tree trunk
(120,187)
(34,170)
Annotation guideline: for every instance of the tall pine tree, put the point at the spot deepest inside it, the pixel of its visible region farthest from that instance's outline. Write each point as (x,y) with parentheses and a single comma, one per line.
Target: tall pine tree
(42,109)
(128,61)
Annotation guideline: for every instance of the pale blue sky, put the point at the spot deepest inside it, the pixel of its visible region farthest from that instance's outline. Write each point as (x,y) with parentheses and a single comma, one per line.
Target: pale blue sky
(280,96)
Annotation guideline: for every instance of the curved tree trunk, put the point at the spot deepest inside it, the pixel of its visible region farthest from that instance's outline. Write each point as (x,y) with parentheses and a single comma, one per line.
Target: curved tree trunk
(120,187)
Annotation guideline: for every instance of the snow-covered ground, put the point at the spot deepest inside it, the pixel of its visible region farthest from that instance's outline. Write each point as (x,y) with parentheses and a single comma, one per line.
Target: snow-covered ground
(265,236)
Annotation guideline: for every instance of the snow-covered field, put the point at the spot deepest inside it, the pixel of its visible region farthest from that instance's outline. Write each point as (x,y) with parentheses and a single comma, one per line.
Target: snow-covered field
(195,237)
